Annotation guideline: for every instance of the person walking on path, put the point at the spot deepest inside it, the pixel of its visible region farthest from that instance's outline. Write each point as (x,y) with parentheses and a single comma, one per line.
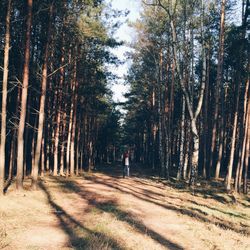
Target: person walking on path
(126,164)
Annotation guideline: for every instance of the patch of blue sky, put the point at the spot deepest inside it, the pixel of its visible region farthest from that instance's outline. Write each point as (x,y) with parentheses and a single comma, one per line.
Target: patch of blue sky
(125,34)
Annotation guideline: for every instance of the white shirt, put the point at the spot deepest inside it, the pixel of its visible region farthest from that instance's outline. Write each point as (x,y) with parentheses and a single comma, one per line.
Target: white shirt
(126,161)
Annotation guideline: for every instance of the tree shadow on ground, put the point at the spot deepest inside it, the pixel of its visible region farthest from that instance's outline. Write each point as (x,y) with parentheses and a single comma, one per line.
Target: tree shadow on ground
(209,190)
(80,237)
(241,216)
(216,193)
(110,206)
(196,214)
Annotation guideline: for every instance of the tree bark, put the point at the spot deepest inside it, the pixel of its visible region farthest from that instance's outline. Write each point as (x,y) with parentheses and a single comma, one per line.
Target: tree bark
(58,116)
(68,166)
(182,140)
(233,141)
(63,130)
(218,83)
(42,108)
(4,99)
(25,84)
(72,146)
(247,153)
(205,121)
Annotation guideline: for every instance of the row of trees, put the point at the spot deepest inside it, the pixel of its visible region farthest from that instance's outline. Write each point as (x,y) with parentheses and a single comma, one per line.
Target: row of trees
(55,97)
(189,105)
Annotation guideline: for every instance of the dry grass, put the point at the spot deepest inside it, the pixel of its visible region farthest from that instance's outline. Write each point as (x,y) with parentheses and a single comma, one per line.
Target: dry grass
(105,212)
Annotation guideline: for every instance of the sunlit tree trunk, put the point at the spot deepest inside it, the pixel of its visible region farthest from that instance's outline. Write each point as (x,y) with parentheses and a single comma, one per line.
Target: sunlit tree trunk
(247,152)
(160,80)
(221,144)
(244,127)
(193,115)
(78,148)
(182,140)
(205,121)
(42,159)
(245,144)
(63,131)
(42,109)
(4,99)
(218,85)
(68,166)
(183,111)
(72,146)
(233,140)
(20,141)
(58,115)
(154,129)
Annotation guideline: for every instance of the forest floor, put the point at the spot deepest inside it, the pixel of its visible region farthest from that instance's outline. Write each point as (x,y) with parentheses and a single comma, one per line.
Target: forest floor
(104,211)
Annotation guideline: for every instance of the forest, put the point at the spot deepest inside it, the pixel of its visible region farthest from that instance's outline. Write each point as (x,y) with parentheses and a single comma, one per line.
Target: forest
(190,86)
(185,121)
(55,98)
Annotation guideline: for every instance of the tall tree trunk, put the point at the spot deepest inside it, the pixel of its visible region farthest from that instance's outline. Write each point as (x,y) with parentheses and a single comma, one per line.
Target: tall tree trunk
(182,140)
(20,142)
(72,146)
(221,146)
(154,130)
(247,153)
(193,115)
(205,121)
(164,172)
(63,130)
(195,155)
(245,146)
(78,149)
(243,134)
(218,85)
(43,158)
(68,166)
(4,99)
(42,107)
(233,141)
(58,115)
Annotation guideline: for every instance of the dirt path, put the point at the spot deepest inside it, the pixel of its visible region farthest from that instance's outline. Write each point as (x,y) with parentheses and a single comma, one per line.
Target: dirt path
(104,212)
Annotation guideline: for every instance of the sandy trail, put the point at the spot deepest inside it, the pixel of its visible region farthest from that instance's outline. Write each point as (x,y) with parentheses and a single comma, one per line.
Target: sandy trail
(107,212)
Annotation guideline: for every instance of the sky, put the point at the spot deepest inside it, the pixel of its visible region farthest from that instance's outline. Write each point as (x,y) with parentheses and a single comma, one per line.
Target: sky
(126,34)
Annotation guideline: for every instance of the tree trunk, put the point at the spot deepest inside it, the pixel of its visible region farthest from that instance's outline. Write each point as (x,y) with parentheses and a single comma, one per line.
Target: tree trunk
(58,116)
(218,84)
(182,140)
(243,134)
(205,121)
(68,166)
(42,108)
(12,158)
(43,159)
(245,146)
(20,142)
(4,99)
(195,155)
(72,146)
(233,141)
(247,154)
(63,130)
(193,115)
(220,153)
(78,149)
(164,172)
